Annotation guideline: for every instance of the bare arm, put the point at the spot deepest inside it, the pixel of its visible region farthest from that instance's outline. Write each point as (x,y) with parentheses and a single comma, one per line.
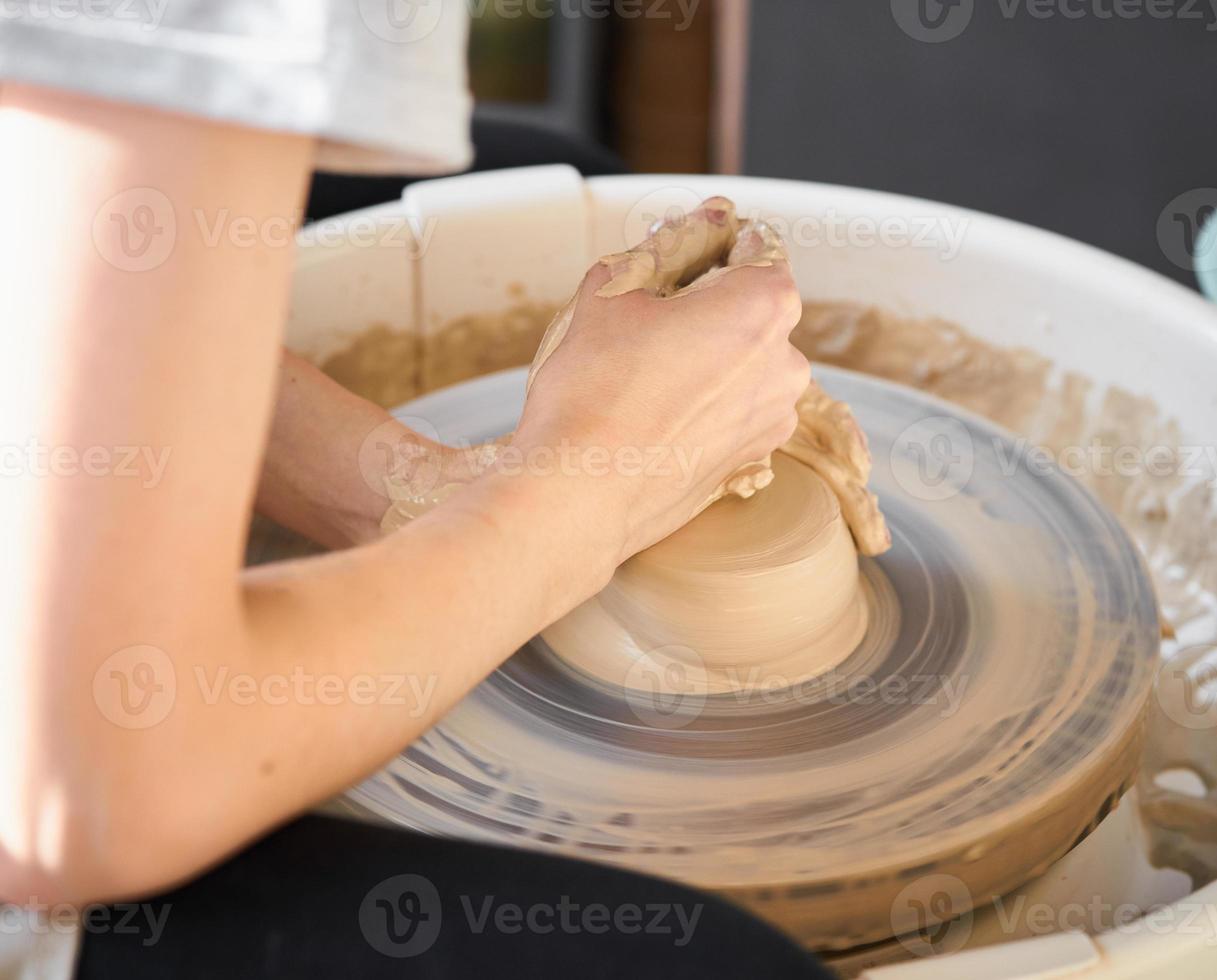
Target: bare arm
(169,706)
(326,459)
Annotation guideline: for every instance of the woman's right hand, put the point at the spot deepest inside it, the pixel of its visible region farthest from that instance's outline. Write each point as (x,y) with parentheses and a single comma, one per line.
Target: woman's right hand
(655,402)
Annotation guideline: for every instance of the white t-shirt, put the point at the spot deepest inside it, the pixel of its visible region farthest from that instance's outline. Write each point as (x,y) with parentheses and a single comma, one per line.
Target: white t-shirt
(381,83)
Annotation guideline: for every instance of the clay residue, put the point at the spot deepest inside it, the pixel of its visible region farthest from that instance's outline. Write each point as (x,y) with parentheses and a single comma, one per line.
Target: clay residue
(1119,445)
(829,440)
(380,364)
(688,253)
(483,343)
(1105,438)
(1003,384)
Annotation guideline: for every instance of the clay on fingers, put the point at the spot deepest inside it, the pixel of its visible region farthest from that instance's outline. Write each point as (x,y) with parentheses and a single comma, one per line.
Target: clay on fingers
(684,255)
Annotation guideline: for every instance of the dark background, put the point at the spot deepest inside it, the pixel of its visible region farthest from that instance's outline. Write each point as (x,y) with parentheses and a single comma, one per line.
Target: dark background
(1088,127)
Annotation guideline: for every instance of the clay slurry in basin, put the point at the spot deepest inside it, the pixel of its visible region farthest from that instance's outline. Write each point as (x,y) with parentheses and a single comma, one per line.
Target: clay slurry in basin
(759,589)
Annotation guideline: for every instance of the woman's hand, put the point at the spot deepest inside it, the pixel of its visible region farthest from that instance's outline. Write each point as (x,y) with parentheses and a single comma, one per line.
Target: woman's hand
(651,403)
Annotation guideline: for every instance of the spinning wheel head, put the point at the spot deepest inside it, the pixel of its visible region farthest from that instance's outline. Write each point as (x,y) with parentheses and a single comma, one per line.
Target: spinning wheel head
(995,696)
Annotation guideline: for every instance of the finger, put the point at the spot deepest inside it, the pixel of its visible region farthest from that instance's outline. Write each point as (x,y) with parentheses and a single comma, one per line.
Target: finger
(678,250)
(757,242)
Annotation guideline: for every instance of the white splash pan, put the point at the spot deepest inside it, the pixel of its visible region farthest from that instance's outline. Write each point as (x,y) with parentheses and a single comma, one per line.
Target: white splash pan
(406,265)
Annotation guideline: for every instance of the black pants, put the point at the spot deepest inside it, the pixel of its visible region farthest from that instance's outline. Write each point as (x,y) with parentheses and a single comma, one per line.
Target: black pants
(328,898)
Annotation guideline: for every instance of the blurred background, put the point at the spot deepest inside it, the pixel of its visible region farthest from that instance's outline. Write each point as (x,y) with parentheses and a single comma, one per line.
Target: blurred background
(1092,118)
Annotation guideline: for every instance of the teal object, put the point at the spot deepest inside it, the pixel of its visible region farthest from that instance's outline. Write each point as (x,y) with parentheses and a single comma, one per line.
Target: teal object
(1206,258)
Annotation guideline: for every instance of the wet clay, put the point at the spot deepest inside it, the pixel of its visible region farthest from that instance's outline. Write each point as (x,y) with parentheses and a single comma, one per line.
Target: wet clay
(769,583)
(782,563)
(379,364)
(478,344)
(688,253)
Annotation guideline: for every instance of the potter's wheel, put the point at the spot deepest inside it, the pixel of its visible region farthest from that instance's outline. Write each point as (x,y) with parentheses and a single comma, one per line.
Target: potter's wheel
(986,722)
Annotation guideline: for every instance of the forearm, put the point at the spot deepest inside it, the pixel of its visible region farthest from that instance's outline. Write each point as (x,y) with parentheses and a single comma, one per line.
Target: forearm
(332,664)
(131,635)
(326,458)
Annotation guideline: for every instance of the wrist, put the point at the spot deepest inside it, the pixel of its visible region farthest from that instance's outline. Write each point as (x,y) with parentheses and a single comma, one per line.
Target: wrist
(583,517)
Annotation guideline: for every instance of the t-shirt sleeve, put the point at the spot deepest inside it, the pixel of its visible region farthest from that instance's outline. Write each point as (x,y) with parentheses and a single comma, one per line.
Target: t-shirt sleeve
(382,84)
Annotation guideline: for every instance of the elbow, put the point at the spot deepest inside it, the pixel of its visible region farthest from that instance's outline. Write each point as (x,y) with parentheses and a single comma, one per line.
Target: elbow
(78,852)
